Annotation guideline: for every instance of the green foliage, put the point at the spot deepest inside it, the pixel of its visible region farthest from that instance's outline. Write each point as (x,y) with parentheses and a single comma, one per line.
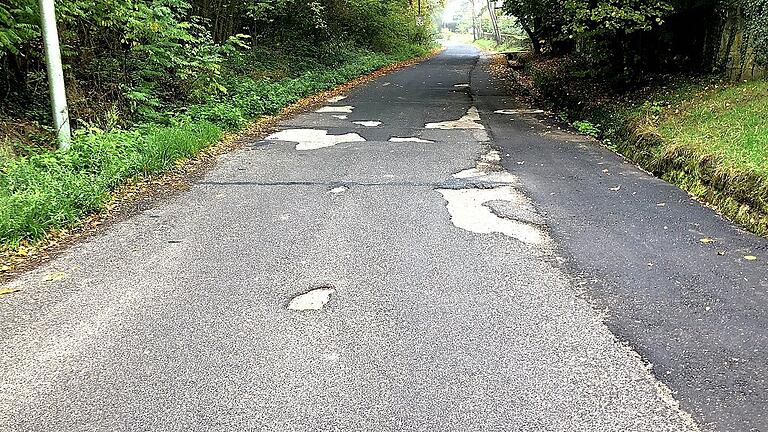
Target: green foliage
(542,20)
(610,16)
(50,190)
(756,13)
(708,137)
(55,189)
(586,128)
(599,30)
(16,26)
(143,57)
(152,82)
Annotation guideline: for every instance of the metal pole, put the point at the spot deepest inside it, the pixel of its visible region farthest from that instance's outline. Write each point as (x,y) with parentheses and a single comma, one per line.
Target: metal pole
(55,73)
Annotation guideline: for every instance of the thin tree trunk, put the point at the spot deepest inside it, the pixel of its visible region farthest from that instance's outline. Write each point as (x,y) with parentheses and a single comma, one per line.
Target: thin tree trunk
(474,25)
(494,21)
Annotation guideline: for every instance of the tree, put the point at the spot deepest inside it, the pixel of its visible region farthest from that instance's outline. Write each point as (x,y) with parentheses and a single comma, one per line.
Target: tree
(542,20)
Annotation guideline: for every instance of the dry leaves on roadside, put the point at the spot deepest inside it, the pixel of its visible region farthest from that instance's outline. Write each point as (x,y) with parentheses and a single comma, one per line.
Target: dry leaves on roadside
(52,277)
(4,291)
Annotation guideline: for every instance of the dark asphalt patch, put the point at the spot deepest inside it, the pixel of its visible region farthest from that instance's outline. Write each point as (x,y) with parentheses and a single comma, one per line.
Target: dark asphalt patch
(699,316)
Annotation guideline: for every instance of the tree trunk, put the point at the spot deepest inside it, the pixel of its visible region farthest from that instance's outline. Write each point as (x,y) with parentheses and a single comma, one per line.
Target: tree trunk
(535,43)
(494,21)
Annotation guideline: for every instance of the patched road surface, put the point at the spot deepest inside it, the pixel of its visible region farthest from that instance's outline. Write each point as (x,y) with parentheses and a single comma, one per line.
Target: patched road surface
(422,254)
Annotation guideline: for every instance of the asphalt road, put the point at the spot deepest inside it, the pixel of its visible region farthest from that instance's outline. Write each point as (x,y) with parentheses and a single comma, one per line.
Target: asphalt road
(478,270)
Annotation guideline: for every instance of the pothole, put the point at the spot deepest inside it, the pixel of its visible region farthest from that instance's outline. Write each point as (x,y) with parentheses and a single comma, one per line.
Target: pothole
(487,169)
(468,121)
(311,139)
(469,212)
(482,200)
(315,299)
(346,109)
(521,210)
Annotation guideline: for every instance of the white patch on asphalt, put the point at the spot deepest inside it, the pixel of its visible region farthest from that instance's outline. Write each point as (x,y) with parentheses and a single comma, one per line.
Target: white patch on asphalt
(492,157)
(311,139)
(520,111)
(487,169)
(340,117)
(468,212)
(338,190)
(313,300)
(368,123)
(461,85)
(410,139)
(468,121)
(336,99)
(347,109)
(487,176)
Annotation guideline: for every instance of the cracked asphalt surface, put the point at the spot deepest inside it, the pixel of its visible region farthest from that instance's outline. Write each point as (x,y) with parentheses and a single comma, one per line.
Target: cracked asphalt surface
(177,318)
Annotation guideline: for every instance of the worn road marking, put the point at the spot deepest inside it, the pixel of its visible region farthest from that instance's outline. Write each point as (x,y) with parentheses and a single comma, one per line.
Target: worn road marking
(368,123)
(338,190)
(468,121)
(336,99)
(340,117)
(311,139)
(312,300)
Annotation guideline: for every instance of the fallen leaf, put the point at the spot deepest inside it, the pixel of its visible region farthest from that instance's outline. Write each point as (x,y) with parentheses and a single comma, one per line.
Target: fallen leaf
(706,240)
(4,291)
(52,277)
(750,257)
(5,268)
(721,253)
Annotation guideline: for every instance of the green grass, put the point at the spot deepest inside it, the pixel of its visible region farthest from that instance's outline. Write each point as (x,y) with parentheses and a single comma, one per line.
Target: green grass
(43,190)
(729,123)
(707,136)
(55,189)
(711,140)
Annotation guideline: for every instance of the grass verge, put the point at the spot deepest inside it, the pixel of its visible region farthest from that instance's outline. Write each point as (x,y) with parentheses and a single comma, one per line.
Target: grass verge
(43,191)
(704,135)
